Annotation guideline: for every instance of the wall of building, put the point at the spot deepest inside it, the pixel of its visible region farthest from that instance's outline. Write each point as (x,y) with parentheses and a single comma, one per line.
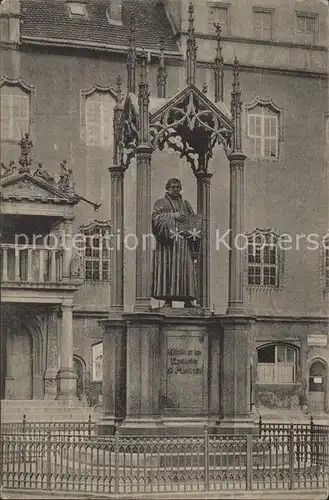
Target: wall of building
(300,333)
(289,195)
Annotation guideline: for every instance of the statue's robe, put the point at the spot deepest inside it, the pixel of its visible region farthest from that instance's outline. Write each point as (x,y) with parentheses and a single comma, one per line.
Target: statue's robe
(173,263)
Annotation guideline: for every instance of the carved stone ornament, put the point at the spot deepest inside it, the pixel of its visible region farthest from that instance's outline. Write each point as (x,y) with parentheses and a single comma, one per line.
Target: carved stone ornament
(8,170)
(190,126)
(128,133)
(65,182)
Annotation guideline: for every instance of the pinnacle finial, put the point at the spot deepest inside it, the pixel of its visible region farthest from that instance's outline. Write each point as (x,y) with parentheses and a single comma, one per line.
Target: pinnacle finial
(162,72)
(131,59)
(218,30)
(143,66)
(219,64)
(119,96)
(191,48)
(162,45)
(236,72)
(190,13)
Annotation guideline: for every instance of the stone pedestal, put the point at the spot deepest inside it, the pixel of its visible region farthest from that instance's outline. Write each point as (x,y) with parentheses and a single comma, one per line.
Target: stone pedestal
(161,372)
(114,373)
(143,371)
(235,392)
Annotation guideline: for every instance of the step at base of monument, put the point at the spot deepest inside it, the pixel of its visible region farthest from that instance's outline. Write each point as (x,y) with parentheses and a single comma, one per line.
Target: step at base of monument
(45,411)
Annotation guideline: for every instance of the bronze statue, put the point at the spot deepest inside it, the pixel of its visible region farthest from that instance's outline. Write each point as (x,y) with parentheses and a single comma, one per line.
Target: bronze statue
(177,230)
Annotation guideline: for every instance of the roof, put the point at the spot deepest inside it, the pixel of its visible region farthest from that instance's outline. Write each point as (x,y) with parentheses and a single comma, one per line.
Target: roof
(50,19)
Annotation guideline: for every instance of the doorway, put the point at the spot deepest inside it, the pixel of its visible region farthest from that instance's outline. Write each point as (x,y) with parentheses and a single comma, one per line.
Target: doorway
(78,367)
(317,386)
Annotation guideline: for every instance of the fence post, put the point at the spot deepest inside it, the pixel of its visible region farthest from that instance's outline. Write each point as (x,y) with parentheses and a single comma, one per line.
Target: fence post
(89,425)
(48,459)
(291,457)
(312,440)
(249,461)
(206,458)
(116,459)
(260,425)
(24,424)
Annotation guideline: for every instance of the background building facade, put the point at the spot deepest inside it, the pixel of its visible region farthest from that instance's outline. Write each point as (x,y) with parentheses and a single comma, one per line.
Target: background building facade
(59,66)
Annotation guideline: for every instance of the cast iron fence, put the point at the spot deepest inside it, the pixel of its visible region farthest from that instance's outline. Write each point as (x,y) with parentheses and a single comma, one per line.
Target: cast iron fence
(116,464)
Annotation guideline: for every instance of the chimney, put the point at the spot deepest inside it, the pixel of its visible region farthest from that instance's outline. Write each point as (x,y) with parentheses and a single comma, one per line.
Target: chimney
(114,12)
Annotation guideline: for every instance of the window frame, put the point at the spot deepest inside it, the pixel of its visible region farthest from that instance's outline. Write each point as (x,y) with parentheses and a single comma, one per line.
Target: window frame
(97,231)
(84,96)
(310,15)
(276,364)
(29,91)
(262,137)
(279,265)
(223,6)
(263,10)
(279,112)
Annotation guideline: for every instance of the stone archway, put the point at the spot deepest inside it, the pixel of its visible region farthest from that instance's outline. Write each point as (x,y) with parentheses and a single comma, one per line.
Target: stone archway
(318,386)
(79,366)
(22,346)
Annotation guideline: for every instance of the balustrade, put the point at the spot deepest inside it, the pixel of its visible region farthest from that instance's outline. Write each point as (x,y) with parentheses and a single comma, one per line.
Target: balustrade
(31,264)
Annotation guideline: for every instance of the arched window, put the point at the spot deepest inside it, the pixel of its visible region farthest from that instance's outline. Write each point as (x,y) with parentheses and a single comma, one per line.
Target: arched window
(97,362)
(265,259)
(16,104)
(276,364)
(264,128)
(97,116)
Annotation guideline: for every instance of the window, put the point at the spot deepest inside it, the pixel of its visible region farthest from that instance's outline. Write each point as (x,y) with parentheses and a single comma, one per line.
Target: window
(276,364)
(15,111)
(97,362)
(97,251)
(263,259)
(306,24)
(262,21)
(217,14)
(99,119)
(263,132)
(77,9)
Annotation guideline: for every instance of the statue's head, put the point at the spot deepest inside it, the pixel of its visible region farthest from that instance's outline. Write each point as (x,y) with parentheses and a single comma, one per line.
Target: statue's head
(174,187)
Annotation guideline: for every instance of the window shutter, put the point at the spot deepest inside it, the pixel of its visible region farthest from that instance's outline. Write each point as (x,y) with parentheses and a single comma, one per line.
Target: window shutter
(107,124)
(5,117)
(93,121)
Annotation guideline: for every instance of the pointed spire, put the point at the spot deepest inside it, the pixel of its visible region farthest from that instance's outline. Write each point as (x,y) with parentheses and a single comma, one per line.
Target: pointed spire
(117,120)
(191,48)
(143,101)
(219,65)
(162,72)
(131,59)
(236,106)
